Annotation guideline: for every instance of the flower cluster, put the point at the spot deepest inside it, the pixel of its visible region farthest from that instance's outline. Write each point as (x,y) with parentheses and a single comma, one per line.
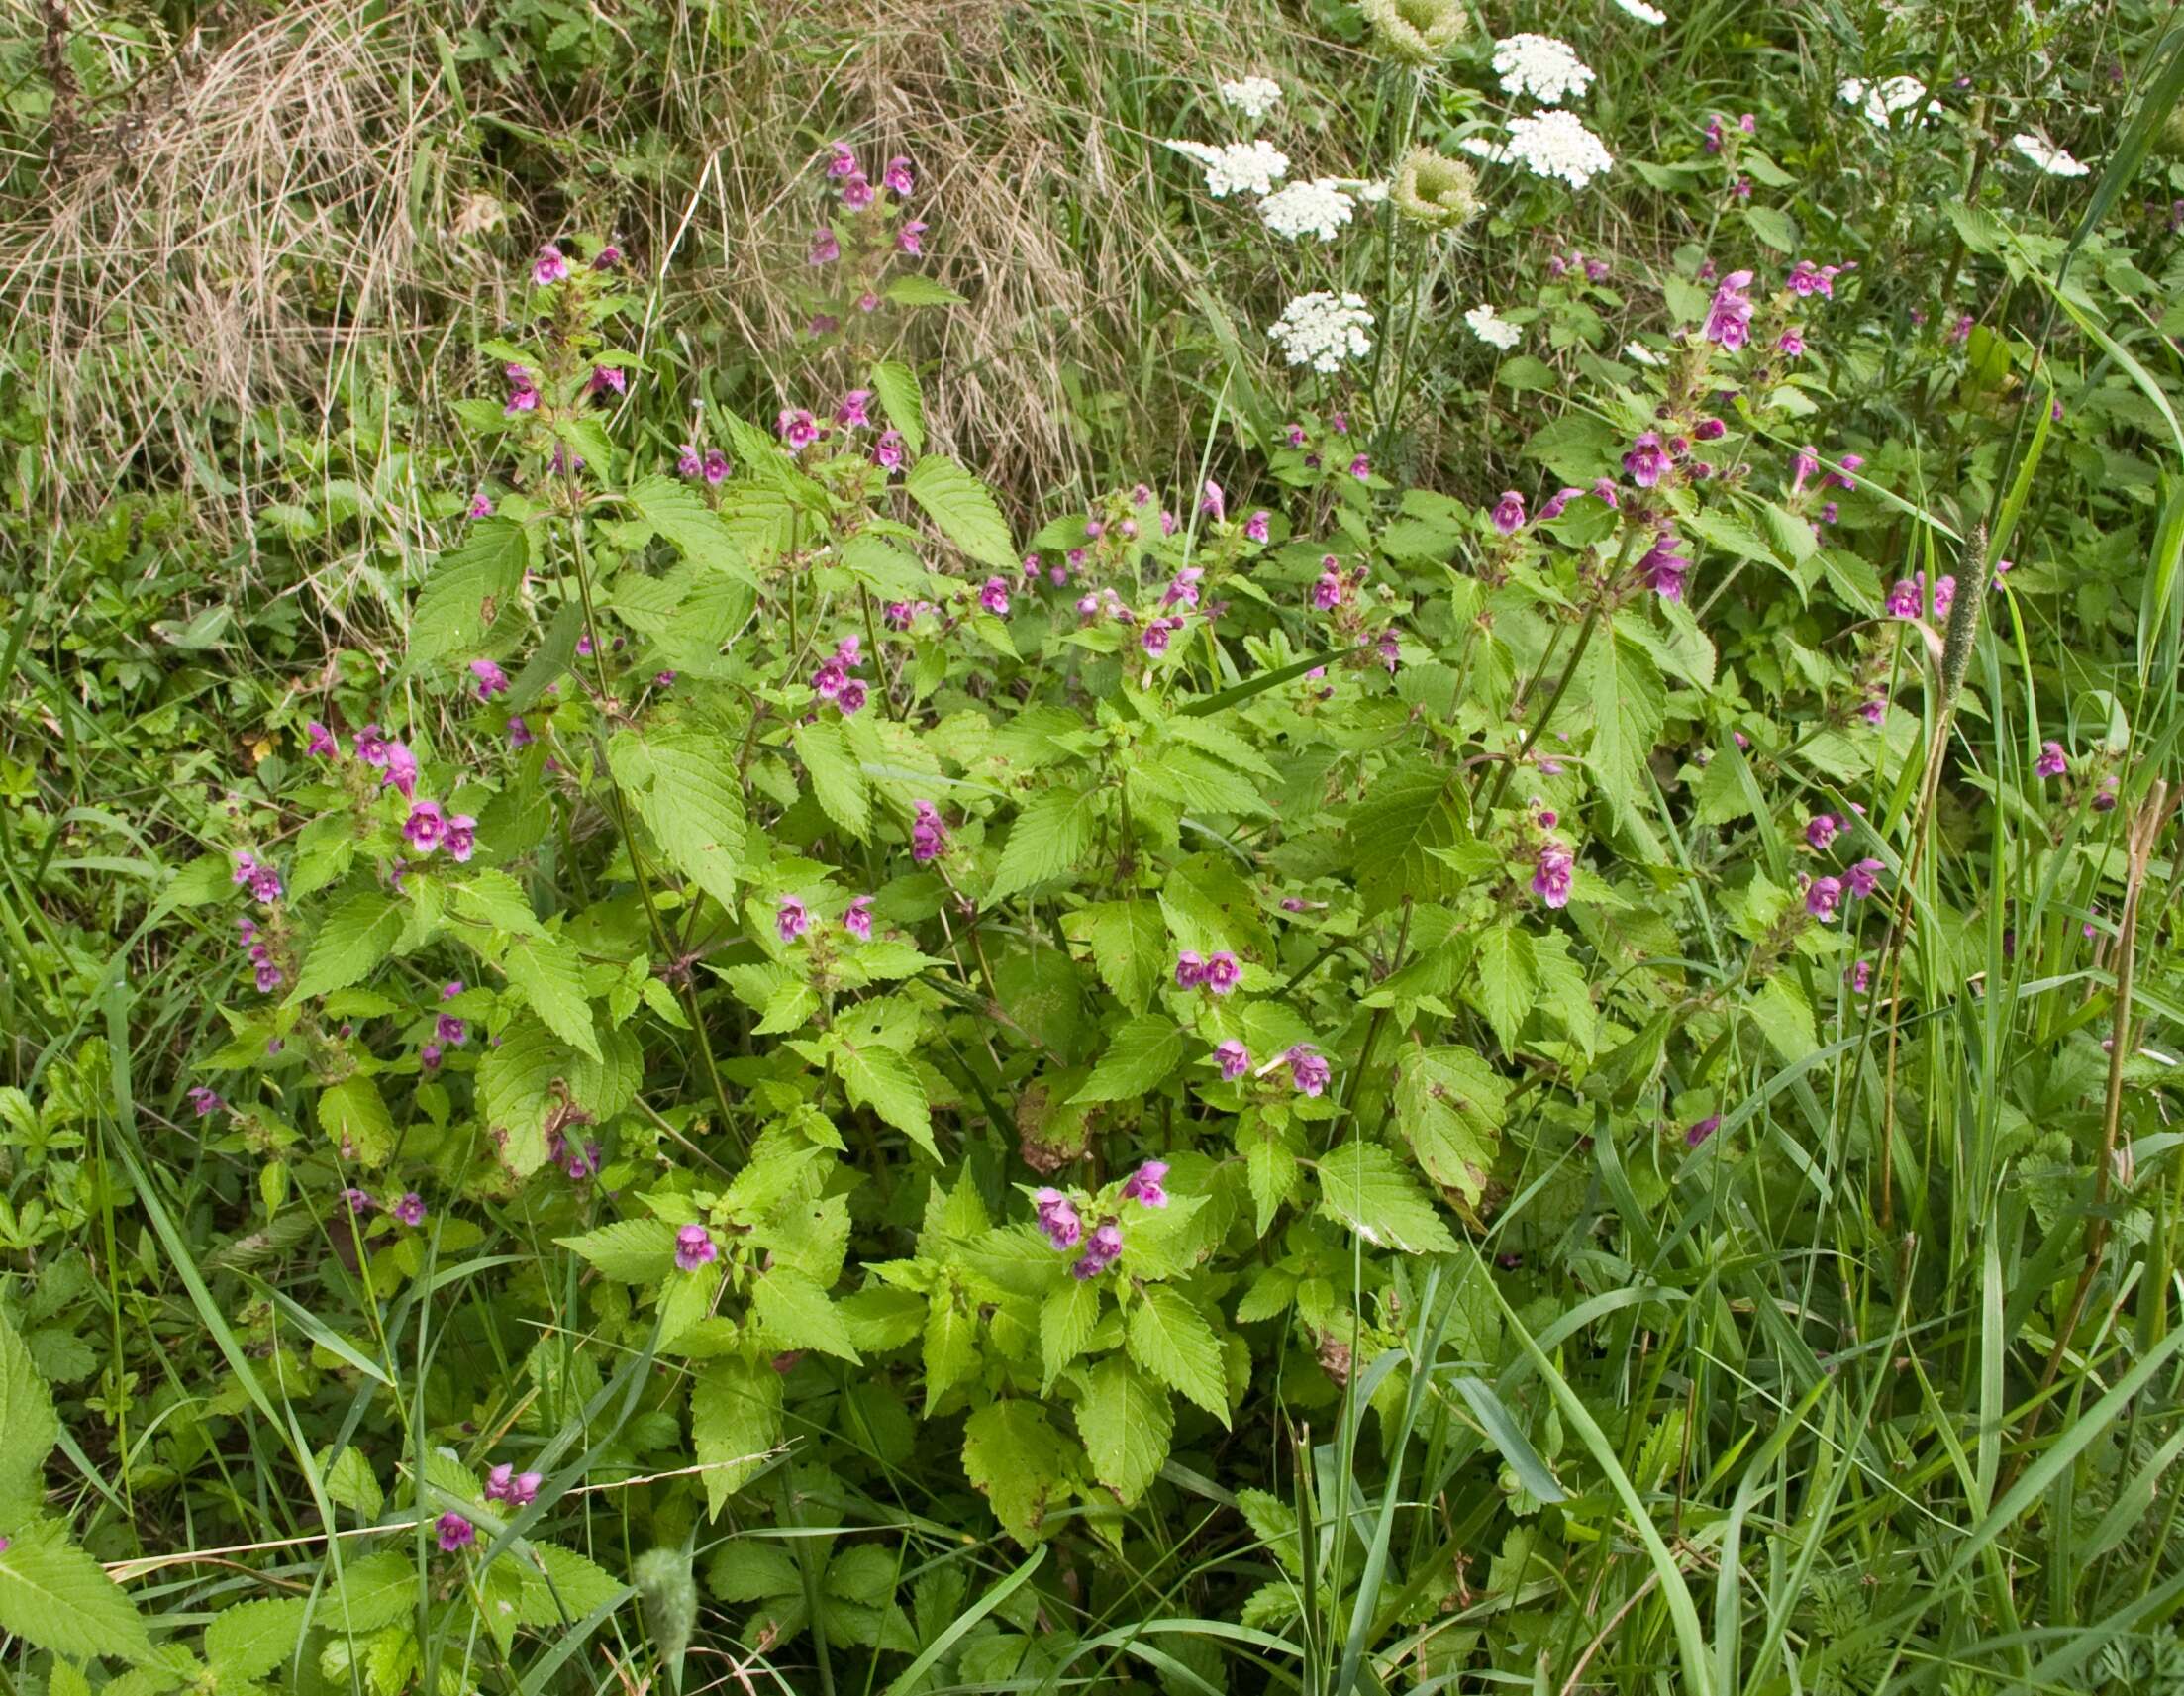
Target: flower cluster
(1491,328)
(2044,155)
(1254,96)
(877,233)
(1321,329)
(1556,145)
(1216,975)
(1238,168)
(1881,101)
(1317,208)
(1542,66)
(833,682)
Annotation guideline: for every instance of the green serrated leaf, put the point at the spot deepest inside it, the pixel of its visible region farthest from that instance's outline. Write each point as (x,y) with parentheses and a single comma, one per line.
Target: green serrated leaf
(250,1638)
(1170,1339)
(1630,706)
(1141,1055)
(735,1423)
(54,1596)
(964,510)
(678,513)
(889,1084)
(1450,1104)
(355,1117)
(901,402)
(1127,1425)
(1363,1186)
(29,1425)
(630,1251)
(356,937)
(693,804)
(550,975)
(1508,979)
(798,1314)
(1065,1321)
(469,590)
(1051,837)
(1128,942)
(492,897)
(1018,1461)
(838,782)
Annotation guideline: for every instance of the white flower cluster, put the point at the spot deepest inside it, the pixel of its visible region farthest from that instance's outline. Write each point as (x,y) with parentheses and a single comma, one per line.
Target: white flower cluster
(1254,96)
(1321,329)
(1882,100)
(1252,167)
(1541,66)
(2043,154)
(1643,13)
(1315,208)
(1491,328)
(1484,150)
(1556,145)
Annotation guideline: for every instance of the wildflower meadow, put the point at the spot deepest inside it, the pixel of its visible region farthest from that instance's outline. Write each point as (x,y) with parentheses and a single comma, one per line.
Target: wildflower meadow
(1041,845)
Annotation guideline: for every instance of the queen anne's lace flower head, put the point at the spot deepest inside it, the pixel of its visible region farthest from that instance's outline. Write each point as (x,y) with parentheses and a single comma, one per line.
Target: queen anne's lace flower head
(2043,154)
(1881,101)
(1315,208)
(1642,12)
(1556,145)
(1252,166)
(1433,189)
(1254,96)
(1418,32)
(1492,328)
(1541,66)
(1321,329)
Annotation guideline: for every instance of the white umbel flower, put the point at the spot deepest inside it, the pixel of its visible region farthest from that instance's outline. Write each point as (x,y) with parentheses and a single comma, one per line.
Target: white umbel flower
(1556,145)
(2043,154)
(1643,13)
(1253,167)
(1315,208)
(1321,329)
(1254,96)
(1541,66)
(1881,101)
(1484,150)
(1491,328)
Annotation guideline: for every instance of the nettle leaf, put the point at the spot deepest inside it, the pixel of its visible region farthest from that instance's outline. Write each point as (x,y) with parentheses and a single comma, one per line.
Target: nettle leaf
(889,1084)
(1451,1105)
(797,1313)
(250,1638)
(1128,942)
(1630,706)
(1051,837)
(1784,1017)
(1126,1424)
(54,1596)
(913,288)
(1171,1340)
(531,1072)
(373,1591)
(901,402)
(1141,1055)
(468,590)
(1508,979)
(685,783)
(630,1251)
(1018,1461)
(496,899)
(550,975)
(356,937)
(1065,1321)
(28,1427)
(1409,812)
(677,513)
(1363,1186)
(355,1118)
(964,510)
(838,782)
(734,1424)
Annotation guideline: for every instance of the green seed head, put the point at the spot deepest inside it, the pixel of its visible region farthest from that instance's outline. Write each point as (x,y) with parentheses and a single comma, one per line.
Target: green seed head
(1433,189)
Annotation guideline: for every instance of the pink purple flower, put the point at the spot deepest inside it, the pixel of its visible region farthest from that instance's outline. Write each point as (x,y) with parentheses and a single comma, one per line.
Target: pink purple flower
(401,773)
(426,827)
(1821,828)
(791,921)
(1509,513)
(910,236)
(1822,896)
(695,1247)
(518,733)
(518,1489)
(1862,878)
(1665,566)
(609,381)
(993,595)
(858,193)
(1144,1186)
(825,247)
(1944,592)
(1807,278)
(2052,762)
(852,414)
(1728,319)
(798,428)
(843,163)
(1645,463)
(409,1210)
(689,462)
(1212,502)
(887,451)
(455,1532)
(928,833)
(451,1030)
(1101,1252)
(1841,480)
(858,920)
(1553,873)
(1361,467)
(1234,1059)
(360,1201)
(1221,974)
(714,467)
(481,505)
(1308,1069)
(897,175)
(1861,977)
(1058,1218)
(1701,1131)
(549,267)
(1905,601)
(492,680)
(1256,527)
(205,1101)
(1791,343)
(1190,969)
